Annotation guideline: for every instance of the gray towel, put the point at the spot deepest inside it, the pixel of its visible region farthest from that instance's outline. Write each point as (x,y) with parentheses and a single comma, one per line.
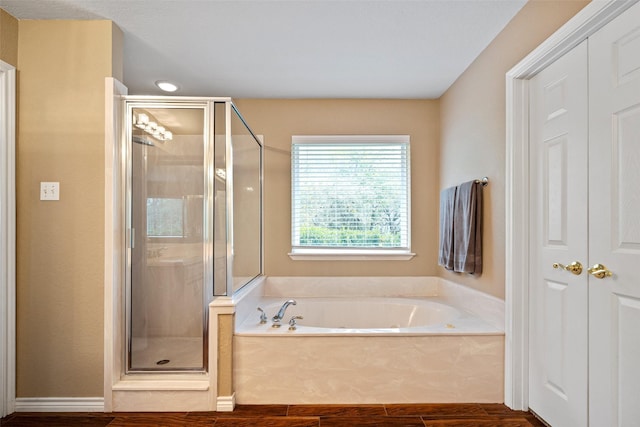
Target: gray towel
(445,251)
(467,229)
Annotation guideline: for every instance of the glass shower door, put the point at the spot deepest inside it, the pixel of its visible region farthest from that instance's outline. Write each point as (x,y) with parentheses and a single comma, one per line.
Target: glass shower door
(167,295)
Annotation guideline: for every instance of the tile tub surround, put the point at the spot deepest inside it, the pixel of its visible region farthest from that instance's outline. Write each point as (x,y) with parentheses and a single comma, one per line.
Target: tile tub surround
(481,305)
(325,369)
(357,370)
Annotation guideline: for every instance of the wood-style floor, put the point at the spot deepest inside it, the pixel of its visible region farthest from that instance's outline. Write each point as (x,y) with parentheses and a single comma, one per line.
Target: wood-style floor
(422,415)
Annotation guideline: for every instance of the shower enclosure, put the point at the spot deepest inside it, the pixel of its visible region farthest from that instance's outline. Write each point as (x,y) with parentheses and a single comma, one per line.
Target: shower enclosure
(193,222)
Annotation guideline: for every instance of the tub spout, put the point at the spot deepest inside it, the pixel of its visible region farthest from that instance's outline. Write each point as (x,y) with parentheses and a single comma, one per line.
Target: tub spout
(278,317)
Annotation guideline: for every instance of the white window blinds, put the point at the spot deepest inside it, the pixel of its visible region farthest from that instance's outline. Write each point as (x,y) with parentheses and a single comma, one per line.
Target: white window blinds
(351,192)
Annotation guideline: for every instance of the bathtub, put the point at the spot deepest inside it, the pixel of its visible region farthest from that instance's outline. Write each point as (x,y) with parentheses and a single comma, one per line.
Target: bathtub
(368,340)
(367,316)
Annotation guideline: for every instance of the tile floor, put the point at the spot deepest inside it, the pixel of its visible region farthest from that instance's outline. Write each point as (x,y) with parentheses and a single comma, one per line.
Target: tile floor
(419,415)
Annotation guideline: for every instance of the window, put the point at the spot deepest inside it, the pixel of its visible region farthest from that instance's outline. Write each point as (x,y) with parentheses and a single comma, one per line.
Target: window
(350,196)
(165,217)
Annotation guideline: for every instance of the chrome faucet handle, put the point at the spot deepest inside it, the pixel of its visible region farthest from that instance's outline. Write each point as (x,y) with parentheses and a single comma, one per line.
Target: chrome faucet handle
(278,317)
(263,316)
(292,322)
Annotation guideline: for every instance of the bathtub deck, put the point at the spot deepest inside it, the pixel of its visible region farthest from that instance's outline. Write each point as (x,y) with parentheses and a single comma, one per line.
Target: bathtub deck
(420,415)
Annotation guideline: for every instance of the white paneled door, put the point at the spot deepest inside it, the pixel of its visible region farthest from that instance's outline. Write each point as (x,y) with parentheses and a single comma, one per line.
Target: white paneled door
(614,223)
(558,287)
(584,340)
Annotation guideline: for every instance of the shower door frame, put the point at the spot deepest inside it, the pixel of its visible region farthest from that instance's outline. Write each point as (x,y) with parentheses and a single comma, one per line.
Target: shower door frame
(207,107)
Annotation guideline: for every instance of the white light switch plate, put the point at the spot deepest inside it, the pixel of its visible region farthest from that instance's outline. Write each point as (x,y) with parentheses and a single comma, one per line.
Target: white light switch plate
(49,191)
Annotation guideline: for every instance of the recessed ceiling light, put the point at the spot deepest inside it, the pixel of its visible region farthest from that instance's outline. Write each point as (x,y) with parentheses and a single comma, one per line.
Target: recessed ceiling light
(166,86)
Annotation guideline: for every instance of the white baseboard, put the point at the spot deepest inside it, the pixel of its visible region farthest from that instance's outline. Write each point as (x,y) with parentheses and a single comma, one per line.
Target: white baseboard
(59,404)
(226,403)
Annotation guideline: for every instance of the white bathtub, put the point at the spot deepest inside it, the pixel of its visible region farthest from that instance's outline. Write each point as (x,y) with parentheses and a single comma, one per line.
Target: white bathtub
(368,313)
(440,342)
(367,316)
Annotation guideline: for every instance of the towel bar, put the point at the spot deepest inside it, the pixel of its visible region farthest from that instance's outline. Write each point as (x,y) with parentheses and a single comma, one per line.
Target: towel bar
(484,181)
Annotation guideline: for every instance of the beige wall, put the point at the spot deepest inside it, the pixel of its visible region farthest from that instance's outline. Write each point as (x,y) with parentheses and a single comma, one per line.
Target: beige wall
(278,120)
(454,139)
(8,38)
(61,70)
(473,127)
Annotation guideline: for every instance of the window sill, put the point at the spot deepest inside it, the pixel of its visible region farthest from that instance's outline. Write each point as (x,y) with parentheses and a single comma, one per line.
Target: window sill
(338,255)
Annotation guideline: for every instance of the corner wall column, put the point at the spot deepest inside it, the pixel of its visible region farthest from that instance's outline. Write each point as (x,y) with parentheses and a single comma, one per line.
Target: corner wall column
(8,240)
(221,327)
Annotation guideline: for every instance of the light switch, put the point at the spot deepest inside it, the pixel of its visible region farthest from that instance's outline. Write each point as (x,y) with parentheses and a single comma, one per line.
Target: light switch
(49,191)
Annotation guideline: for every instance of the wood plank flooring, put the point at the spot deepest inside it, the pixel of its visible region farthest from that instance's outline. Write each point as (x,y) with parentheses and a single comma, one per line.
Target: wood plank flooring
(419,415)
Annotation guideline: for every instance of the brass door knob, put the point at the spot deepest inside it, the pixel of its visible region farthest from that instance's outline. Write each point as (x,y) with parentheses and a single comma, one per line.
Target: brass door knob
(599,271)
(575,267)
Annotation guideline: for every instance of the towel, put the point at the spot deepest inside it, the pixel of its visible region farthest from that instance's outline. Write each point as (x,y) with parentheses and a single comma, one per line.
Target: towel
(467,228)
(445,251)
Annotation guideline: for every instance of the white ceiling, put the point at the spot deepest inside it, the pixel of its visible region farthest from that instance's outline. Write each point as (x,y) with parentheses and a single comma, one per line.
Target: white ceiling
(292,48)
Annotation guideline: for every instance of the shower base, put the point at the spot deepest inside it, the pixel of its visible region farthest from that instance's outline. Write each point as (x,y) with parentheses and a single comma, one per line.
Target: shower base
(167,353)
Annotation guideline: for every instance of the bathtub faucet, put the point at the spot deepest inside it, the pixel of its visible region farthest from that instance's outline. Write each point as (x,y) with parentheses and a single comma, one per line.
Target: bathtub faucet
(278,317)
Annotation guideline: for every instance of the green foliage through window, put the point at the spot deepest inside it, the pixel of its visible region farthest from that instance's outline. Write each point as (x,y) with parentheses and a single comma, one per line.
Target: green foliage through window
(350,194)
(165,217)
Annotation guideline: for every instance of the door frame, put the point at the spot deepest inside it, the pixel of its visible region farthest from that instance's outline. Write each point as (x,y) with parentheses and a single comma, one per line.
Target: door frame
(8,242)
(585,23)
